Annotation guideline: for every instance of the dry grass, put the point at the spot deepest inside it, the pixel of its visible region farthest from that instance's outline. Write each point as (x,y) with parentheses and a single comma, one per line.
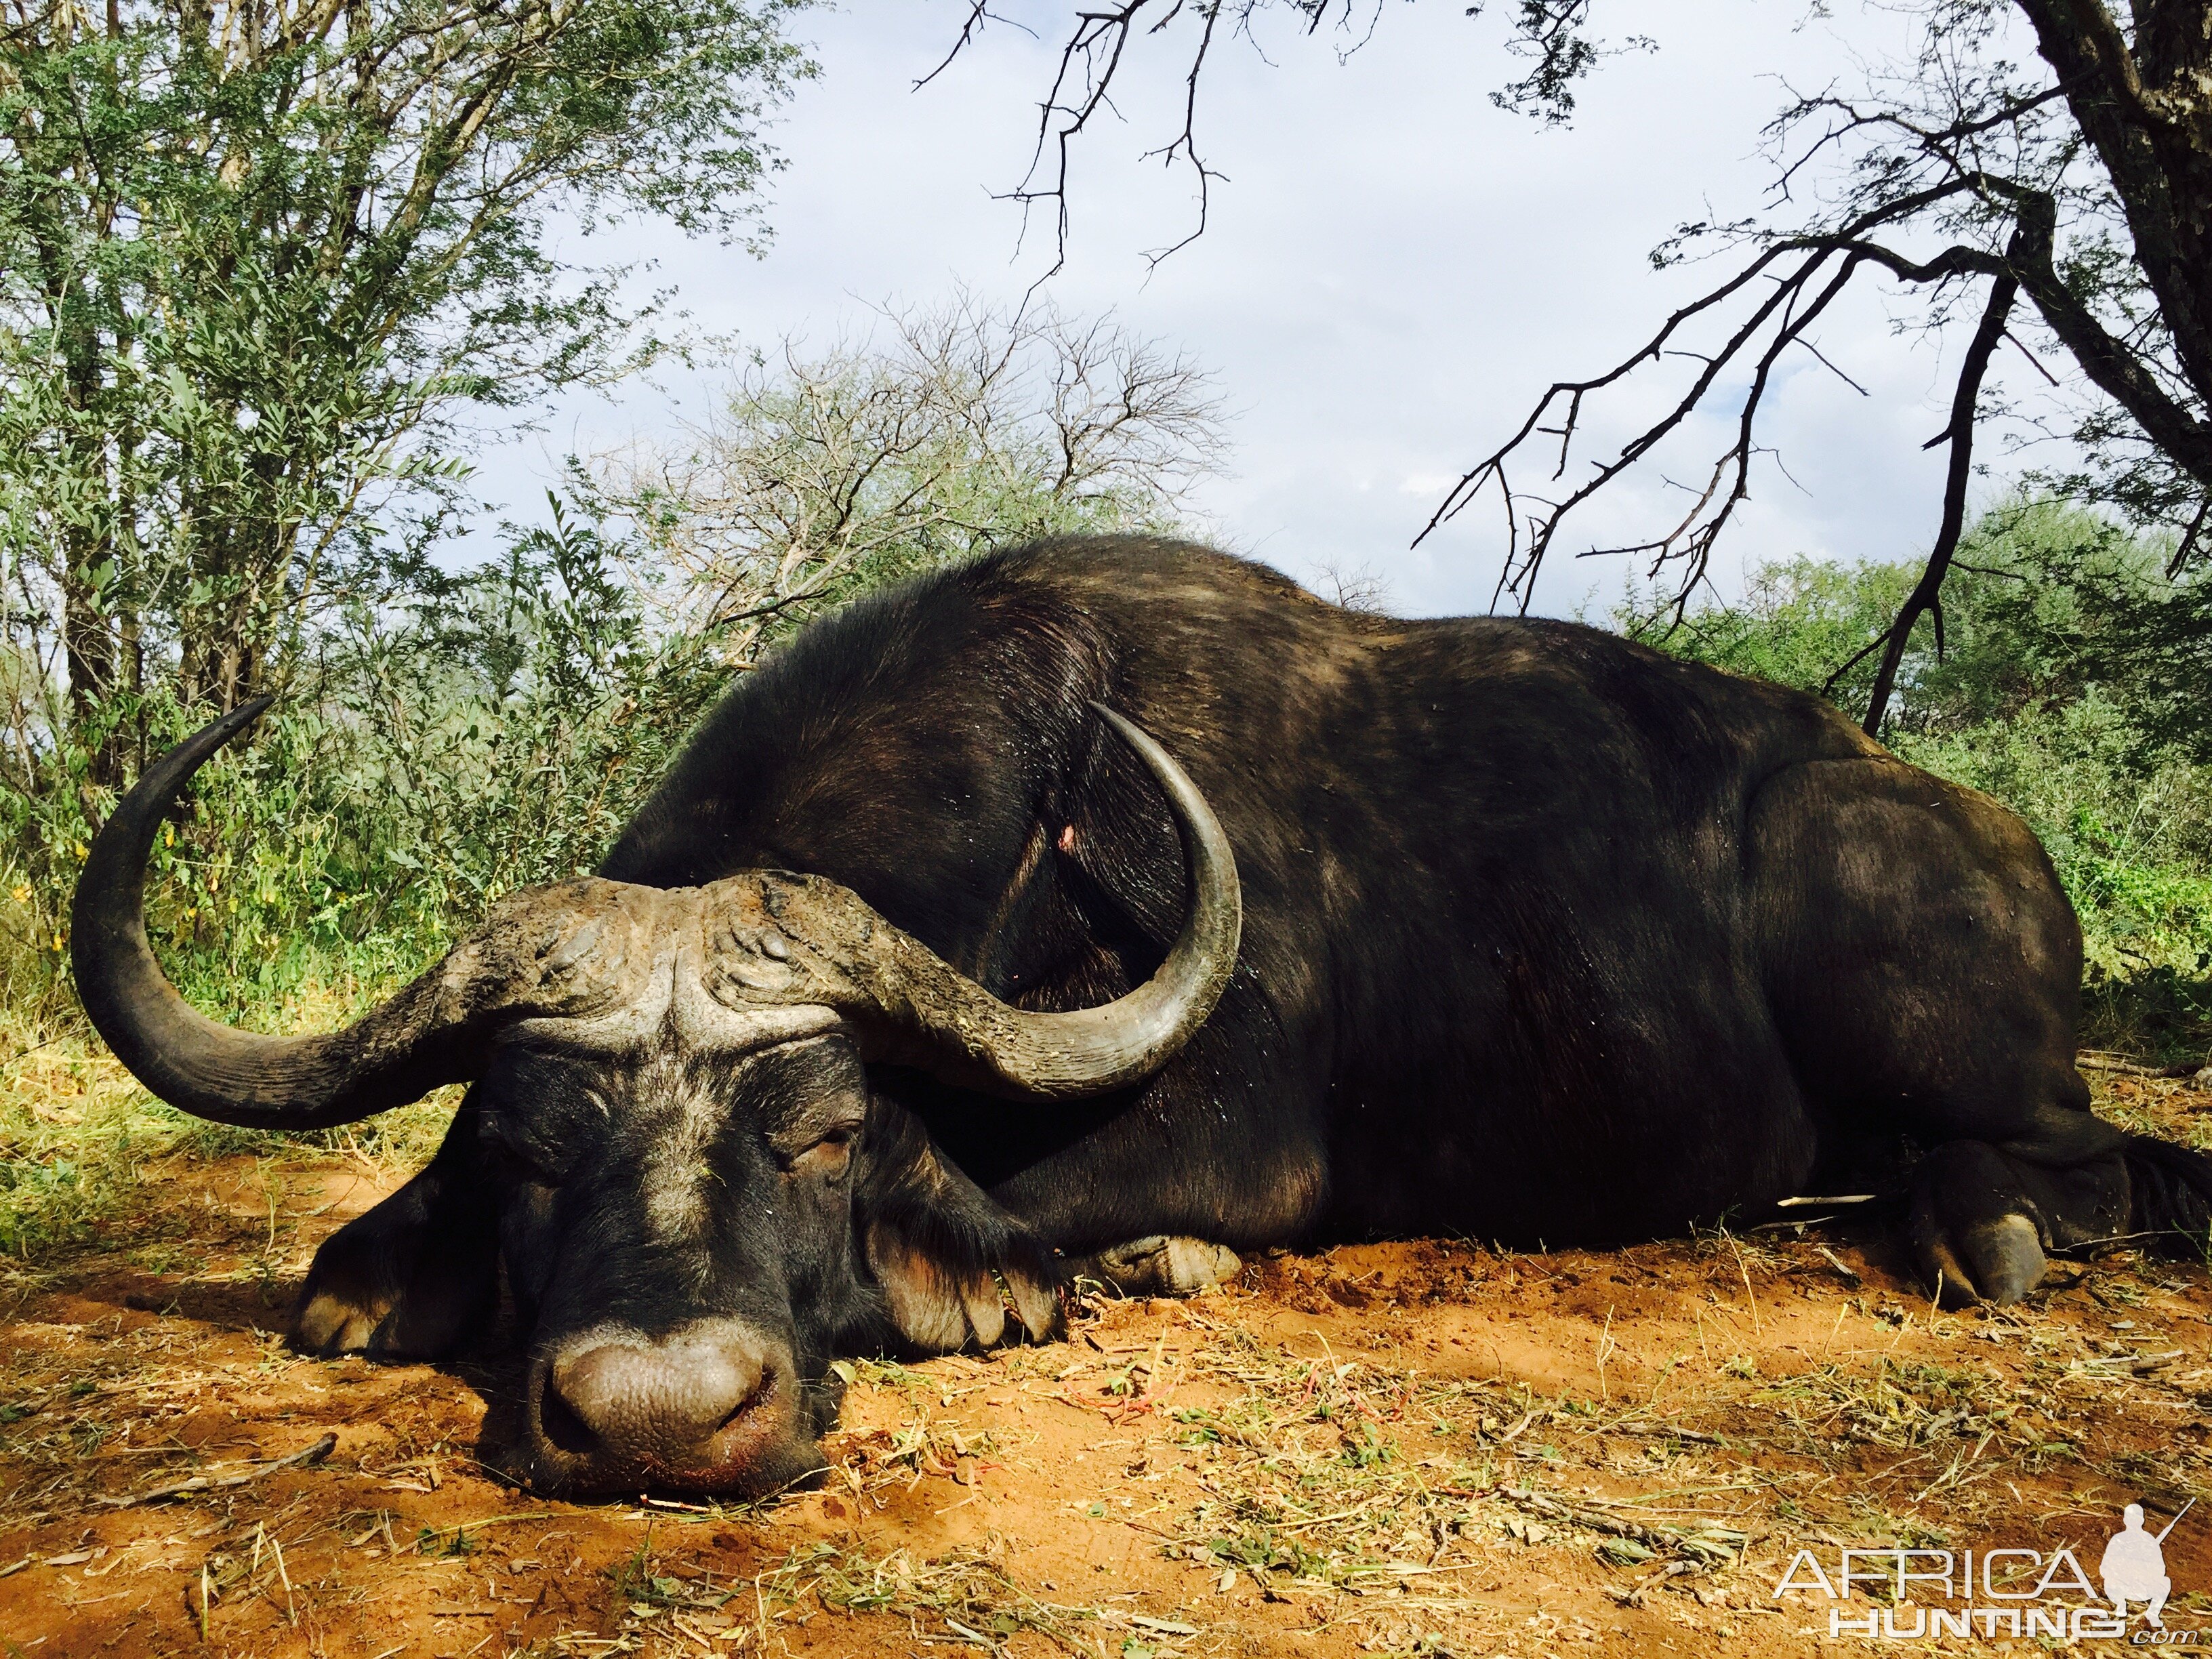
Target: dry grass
(80,1141)
(1417,1448)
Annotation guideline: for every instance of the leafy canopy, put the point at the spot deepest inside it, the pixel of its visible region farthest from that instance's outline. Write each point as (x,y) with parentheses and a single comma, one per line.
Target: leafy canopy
(256,259)
(253,259)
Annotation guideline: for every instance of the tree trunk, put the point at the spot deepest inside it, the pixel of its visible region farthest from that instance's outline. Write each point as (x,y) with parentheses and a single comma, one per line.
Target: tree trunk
(89,648)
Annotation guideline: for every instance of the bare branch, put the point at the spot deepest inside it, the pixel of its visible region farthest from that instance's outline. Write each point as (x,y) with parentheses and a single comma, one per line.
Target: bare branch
(2179,561)
(1095,50)
(1833,370)
(979,13)
(1691,538)
(1185,142)
(1925,599)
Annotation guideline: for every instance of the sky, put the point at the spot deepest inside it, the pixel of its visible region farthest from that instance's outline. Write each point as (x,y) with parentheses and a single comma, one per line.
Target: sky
(1392,271)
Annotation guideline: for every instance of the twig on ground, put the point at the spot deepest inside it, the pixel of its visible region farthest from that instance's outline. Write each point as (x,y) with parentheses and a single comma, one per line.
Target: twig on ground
(1718,1543)
(304,1456)
(2091,1061)
(1850,1274)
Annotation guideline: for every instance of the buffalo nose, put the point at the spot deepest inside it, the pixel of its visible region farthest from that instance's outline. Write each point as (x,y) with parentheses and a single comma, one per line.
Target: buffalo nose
(637,1399)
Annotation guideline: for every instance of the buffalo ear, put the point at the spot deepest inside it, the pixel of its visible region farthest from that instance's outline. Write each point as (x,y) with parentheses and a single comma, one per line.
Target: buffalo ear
(951,1262)
(941,1304)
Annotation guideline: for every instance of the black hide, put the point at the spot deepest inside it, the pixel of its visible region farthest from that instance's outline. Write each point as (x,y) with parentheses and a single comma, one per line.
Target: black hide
(1547,938)
(1526,904)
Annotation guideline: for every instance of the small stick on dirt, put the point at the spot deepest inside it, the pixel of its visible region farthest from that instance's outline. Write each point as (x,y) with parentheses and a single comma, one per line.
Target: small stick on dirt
(2090,1061)
(1744,1268)
(1850,1274)
(291,1614)
(1515,1433)
(304,1456)
(1721,1543)
(429,1535)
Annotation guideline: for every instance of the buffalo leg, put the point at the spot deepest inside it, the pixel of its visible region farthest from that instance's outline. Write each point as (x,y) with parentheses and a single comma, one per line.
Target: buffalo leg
(1161,1265)
(1924,967)
(1980,1222)
(1983,1216)
(410,1279)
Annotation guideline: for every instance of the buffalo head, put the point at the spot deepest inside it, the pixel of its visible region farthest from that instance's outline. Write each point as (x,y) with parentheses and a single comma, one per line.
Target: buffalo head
(695,1195)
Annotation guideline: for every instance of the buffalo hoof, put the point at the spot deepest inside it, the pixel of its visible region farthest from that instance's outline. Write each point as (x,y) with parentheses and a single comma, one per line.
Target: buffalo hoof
(330,1324)
(1978,1235)
(428,1320)
(1165,1265)
(377,1288)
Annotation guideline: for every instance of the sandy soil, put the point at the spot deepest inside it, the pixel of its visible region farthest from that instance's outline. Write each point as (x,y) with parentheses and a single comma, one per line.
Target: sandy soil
(1417,1447)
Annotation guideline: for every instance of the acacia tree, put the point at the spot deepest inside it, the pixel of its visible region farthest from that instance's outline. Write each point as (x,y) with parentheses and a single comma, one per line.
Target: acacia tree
(947,431)
(2043,167)
(255,257)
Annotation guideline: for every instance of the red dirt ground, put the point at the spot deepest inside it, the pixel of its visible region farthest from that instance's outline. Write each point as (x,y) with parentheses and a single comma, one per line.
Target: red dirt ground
(1418,1448)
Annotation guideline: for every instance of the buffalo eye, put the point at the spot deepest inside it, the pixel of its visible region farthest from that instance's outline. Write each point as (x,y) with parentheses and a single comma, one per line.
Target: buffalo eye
(826,1159)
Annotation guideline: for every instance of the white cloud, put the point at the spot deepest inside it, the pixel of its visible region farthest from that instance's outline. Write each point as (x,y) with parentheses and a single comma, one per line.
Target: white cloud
(1393,272)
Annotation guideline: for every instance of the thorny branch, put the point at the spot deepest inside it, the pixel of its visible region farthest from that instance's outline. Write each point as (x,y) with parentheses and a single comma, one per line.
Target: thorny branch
(1918,173)
(1098,48)
(2080,180)
(2087,161)
(1924,599)
(1692,538)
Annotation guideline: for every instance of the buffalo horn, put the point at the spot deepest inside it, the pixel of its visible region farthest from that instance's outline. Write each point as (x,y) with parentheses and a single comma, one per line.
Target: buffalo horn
(913,1008)
(399,1052)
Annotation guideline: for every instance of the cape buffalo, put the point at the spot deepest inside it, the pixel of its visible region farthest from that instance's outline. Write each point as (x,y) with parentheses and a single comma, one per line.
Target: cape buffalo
(918,985)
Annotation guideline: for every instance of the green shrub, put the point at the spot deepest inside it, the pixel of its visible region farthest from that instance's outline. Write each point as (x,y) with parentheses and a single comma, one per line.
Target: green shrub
(493,733)
(2037,697)
(442,737)
(2130,829)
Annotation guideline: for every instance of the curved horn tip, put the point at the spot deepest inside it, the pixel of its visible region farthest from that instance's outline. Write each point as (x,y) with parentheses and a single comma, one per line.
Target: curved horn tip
(218,732)
(1083,1051)
(183,1057)
(249,711)
(224,726)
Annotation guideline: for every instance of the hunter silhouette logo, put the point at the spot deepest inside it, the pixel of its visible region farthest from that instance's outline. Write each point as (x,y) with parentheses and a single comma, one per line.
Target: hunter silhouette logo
(2134,1567)
(1909,1594)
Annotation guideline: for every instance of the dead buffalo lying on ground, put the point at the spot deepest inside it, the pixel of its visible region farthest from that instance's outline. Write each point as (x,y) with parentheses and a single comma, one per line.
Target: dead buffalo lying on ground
(918,985)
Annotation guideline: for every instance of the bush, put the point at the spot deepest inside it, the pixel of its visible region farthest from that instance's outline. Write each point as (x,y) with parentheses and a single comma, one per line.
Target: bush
(494,733)
(2037,699)
(454,736)
(2133,843)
